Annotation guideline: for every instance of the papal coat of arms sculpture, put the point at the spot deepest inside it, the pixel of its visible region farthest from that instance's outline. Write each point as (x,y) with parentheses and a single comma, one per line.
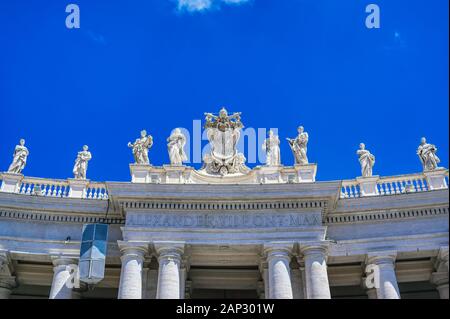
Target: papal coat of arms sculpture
(223,132)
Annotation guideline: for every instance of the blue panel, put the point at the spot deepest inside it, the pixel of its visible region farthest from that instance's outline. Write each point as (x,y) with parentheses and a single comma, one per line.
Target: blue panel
(101,232)
(88,232)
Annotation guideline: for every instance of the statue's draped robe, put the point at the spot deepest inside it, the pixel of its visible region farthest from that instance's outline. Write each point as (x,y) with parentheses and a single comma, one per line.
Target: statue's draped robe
(428,157)
(176,149)
(367,162)
(81,164)
(19,160)
(272,147)
(299,148)
(140,150)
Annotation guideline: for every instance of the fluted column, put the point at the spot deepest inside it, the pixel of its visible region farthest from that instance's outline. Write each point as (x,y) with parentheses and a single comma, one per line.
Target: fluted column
(169,258)
(314,258)
(278,260)
(384,272)
(64,278)
(132,258)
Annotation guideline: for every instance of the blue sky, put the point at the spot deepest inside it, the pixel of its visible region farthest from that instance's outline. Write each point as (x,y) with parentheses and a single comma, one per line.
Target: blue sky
(157,65)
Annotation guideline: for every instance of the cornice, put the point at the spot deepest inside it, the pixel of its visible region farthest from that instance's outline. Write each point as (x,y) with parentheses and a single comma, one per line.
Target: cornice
(383,215)
(37,216)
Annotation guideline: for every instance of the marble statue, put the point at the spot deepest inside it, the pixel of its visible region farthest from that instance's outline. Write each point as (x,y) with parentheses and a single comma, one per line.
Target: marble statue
(272,147)
(366,159)
(427,155)
(299,147)
(81,163)
(140,148)
(19,158)
(175,146)
(223,132)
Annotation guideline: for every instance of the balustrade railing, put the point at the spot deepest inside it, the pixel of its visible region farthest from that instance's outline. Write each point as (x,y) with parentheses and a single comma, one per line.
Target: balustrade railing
(58,188)
(44,187)
(400,184)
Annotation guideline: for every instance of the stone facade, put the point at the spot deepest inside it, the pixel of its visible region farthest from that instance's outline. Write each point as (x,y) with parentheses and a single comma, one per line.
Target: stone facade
(272,233)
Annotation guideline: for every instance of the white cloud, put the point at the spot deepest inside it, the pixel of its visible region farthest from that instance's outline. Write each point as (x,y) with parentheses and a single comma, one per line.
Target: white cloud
(202,5)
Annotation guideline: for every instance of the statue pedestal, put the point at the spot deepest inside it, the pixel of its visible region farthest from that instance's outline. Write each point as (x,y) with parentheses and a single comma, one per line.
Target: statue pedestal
(269,174)
(177,174)
(368,185)
(306,173)
(140,173)
(77,187)
(11,182)
(436,179)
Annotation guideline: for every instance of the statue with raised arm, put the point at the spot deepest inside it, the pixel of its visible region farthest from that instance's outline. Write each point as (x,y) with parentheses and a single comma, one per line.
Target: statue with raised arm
(366,159)
(299,146)
(272,147)
(19,158)
(175,146)
(140,148)
(427,155)
(81,163)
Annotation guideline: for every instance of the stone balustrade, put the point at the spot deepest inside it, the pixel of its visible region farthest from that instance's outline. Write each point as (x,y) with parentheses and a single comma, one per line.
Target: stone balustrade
(392,185)
(52,187)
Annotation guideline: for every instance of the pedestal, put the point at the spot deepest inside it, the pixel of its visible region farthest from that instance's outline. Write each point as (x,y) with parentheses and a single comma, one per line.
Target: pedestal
(436,179)
(177,174)
(368,185)
(306,173)
(269,174)
(78,187)
(140,173)
(11,182)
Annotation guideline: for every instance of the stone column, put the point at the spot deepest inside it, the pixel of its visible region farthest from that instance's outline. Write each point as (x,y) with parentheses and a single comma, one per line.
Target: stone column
(64,278)
(132,258)
(440,277)
(169,258)
(263,269)
(385,279)
(317,285)
(278,260)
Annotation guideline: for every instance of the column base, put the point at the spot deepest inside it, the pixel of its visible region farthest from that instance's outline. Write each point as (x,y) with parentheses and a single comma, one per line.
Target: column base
(11,182)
